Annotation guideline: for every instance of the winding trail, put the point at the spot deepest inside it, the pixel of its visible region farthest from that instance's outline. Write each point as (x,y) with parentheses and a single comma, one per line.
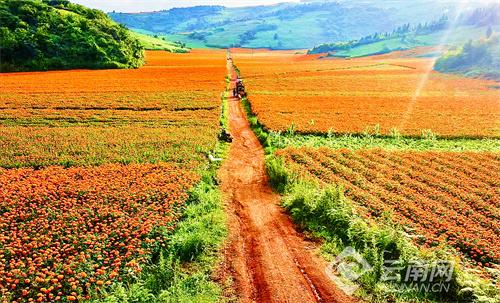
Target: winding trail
(268,260)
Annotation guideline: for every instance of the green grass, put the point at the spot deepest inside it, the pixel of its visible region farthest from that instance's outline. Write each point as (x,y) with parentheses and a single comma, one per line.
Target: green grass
(454,37)
(395,142)
(152,43)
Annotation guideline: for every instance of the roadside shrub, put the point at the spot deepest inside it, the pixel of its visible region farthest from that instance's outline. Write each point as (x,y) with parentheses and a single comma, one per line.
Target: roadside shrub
(279,176)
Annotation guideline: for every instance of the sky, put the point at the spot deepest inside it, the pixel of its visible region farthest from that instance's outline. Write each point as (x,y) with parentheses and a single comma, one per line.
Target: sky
(155,5)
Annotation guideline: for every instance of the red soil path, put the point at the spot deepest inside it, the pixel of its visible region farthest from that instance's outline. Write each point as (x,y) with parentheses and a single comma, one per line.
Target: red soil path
(268,260)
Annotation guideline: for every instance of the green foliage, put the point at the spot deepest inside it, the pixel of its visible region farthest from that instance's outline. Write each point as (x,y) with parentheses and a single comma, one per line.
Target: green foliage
(251,34)
(202,226)
(476,59)
(57,34)
(279,176)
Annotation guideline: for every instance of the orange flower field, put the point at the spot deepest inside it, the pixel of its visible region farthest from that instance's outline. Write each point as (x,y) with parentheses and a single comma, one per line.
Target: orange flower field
(438,197)
(87,117)
(68,233)
(64,233)
(350,96)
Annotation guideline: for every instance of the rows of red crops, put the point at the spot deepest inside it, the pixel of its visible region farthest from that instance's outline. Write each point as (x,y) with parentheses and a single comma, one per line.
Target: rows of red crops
(66,233)
(350,96)
(167,110)
(440,197)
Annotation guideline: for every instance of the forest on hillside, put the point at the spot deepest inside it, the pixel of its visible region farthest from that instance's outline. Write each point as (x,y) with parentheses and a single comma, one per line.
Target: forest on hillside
(480,58)
(57,34)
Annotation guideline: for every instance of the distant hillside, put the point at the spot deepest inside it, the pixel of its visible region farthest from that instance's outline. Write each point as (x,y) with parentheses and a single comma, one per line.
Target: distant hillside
(470,25)
(480,58)
(152,42)
(56,34)
(284,26)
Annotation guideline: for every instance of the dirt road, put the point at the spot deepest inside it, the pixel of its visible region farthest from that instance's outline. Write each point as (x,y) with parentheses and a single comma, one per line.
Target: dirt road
(267,259)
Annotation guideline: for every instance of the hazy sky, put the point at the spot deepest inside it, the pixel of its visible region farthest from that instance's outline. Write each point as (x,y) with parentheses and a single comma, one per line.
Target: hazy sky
(154,5)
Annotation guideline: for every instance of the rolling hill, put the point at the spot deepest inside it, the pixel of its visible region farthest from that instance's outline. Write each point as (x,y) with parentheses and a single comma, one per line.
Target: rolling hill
(57,34)
(283,26)
(470,25)
(479,58)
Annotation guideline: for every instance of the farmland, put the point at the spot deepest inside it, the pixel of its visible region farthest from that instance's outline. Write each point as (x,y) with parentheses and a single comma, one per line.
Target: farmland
(440,197)
(65,233)
(215,169)
(381,94)
(97,167)
(87,117)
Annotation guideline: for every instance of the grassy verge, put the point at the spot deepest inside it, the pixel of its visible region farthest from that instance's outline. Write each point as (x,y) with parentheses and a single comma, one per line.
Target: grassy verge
(395,142)
(327,214)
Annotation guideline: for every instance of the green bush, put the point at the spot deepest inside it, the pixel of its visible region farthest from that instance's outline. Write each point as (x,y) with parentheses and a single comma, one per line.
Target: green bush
(279,177)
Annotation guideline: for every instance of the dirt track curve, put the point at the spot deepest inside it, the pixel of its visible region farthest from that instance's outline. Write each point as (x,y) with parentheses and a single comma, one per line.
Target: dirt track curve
(266,258)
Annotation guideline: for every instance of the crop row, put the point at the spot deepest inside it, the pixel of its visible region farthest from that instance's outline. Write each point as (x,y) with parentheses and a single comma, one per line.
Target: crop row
(67,233)
(438,197)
